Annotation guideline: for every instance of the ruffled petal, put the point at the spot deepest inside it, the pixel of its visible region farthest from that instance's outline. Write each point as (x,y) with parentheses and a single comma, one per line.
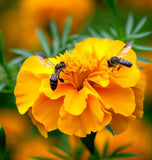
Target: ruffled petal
(139,97)
(120,100)
(93,118)
(26,90)
(46,111)
(101,78)
(120,123)
(75,101)
(128,77)
(39,125)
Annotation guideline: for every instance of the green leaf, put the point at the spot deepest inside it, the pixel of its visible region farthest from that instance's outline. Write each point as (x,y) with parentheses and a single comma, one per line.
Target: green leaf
(112,30)
(66,30)
(142,48)
(106,34)
(105,150)
(2,57)
(65,140)
(88,141)
(140,35)
(2,143)
(63,148)
(22,52)
(59,155)
(44,42)
(115,153)
(125,155)
(129,24)
(93,33)
(140,25)
(109,128)
(112,5)
(74,37)
(55,36)
(15,61)
(143,59)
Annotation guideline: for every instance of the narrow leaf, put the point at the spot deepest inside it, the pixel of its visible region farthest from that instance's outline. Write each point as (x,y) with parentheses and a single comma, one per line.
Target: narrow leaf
(119,149)
(59,155)
(129,24)
(2,57)
(22,52)
(15,61)
(143,59)
(105,150)
(106,34)
(66,30)
(125,155)
(112,30)
(65,140)
(109,128)
(89,142)
(142,48)
(140,25)
(93,33)
(140,35)
(2,143)
(63,148)
(44,42)
(55,36)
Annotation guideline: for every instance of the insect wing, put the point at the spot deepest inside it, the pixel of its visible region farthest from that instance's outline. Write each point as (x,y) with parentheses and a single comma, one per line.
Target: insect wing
(123,52)
(44,60)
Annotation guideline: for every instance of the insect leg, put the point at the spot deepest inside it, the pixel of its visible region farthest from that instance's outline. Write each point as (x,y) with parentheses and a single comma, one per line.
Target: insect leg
(65,72)
(60,79)
(113,68)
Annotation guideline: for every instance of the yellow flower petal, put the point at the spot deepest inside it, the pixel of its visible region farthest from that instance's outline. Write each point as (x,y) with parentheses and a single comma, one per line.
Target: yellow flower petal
(39,125)
(93,118)
(139,97)
(100,78)
(46,111)
(119,123)
(75,101)
(120,100)
(26,90)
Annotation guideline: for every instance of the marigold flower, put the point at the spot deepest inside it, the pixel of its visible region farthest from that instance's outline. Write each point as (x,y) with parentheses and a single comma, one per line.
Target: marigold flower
(91,96)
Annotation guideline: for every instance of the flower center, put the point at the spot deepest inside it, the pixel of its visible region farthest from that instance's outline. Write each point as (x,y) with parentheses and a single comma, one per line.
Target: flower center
(79,66)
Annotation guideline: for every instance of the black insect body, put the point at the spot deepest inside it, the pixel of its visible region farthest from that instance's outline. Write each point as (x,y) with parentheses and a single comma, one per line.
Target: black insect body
(117,60)
(57,69)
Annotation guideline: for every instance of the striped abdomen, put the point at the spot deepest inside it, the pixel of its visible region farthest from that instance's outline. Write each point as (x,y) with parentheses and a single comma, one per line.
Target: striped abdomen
(125,62)
(53,81)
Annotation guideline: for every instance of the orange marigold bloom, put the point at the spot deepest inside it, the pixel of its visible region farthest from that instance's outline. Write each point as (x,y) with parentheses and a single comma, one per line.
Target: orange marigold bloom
(91,96)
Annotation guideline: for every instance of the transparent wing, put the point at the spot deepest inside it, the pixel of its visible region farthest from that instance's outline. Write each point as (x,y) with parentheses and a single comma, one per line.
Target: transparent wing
(123,52)
(44,60)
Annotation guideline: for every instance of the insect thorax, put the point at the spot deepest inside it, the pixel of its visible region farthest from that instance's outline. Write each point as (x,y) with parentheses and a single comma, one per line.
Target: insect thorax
(113,61)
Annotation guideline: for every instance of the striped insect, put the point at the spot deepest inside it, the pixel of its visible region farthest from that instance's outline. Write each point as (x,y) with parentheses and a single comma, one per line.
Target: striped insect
(57,69)
(118,60)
